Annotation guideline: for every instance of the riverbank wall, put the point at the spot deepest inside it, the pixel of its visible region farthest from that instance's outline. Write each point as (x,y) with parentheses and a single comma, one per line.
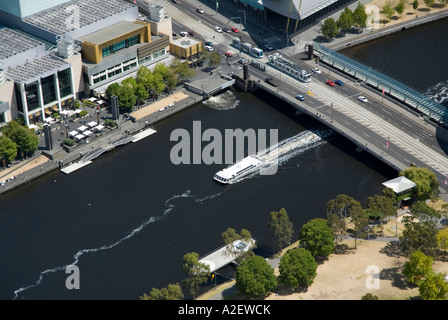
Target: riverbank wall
(398,27)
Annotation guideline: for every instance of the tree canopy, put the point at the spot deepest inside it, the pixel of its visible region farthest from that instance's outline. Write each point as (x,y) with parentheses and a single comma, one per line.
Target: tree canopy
(25,139)
(316,237)
(281,228)
(418,266)
(297,268)
(171,292)
(426,181)
(197,272)
(329,28)
(255,278)
(8,149)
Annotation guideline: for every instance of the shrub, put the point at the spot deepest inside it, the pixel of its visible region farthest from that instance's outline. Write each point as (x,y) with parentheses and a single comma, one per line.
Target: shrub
(69,142)
(110,123)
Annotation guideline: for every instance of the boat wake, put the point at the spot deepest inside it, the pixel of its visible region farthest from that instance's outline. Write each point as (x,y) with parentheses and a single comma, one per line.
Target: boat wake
(169,206)
(438,92)
(289,148)
(224,101)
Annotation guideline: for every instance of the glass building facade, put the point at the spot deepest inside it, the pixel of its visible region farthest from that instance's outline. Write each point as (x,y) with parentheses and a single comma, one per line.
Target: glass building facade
(24,8)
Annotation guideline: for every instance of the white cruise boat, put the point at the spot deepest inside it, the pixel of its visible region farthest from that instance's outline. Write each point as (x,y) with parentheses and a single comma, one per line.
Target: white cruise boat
(240,169)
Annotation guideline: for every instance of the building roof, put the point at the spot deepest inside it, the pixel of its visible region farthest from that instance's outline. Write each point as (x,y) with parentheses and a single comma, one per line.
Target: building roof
(400,184)
(13,42)
(184,42)
(300,9)
(35,69)
(55,20)
(111,32)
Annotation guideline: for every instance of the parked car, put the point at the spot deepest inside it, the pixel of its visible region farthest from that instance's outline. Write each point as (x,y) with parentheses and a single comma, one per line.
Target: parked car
(191,33)
(175,1)
(200,10)
(226,29)
(363,99)
(184,33)
(300,97)
(268,46)
(235,30)
(316,70)
(209,43)
(242,61)
(228,54)
(339,82)
(209,48)
(218,29)
(330,83)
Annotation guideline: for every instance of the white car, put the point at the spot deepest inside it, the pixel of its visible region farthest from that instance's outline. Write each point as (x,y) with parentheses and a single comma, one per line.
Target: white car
(184,33)
(316,70)
(200,10)
(208,48)
(363,99)
(218,29)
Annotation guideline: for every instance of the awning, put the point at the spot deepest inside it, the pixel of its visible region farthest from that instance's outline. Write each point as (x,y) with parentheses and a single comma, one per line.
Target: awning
(99,127)
(92,124)
(73,133)
(87,133)
(82,128)
(80,136)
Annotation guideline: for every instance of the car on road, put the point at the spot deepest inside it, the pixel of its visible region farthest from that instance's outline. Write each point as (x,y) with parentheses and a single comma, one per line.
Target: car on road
(300,97)
(268,46)
(209,43)
(218,29)
(363,99)
(330,83)
(228,54)
(209,48)
(201,11)
(184,33)
(316,70)
(226,29)
(272,81)
(191,33)
(235,30)
(242,61)
(339,82)
(175,1)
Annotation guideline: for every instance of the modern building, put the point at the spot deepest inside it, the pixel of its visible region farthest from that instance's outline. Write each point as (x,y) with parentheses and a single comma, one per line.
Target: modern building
(186,48)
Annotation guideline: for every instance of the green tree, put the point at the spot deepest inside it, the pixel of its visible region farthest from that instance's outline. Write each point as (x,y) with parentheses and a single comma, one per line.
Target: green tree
(442,239)
(360,16)
(184,71)
(390,193)
(426,181)
(281,228)
(429,3)
(316,237)
(360,221)
(8,149)
(369,296)
(388,11)
(126,98)
(329,28)
(197,272)
(171,292)
(415,5)
(338,227)
(433,287)
(382,206)
(420,230)
(399,8)
(255,278)
(113,89)
(140,93)
(418,267)
(214,60)
(25,139)
(345,20)
(297,268)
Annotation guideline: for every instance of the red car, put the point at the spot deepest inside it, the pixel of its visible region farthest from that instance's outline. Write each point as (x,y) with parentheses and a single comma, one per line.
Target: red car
(330,83)
(228,54)
(235,30)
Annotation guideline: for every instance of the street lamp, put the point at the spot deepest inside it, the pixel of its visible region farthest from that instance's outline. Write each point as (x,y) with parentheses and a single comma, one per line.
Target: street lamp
(243,11)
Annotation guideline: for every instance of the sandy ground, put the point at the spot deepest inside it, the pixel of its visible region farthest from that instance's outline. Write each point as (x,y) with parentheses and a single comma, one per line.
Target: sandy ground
(157,105)
(408,13)
(349,276)
(22,167)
